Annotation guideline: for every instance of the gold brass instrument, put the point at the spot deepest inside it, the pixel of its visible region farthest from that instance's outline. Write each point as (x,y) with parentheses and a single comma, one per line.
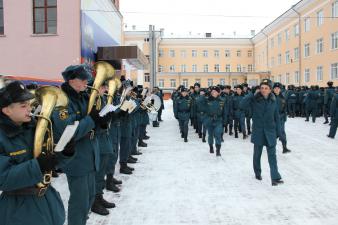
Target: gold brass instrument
(104,71)
(113,86)
(50,98)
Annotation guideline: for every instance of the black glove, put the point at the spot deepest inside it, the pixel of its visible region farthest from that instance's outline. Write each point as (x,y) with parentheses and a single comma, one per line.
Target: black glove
(47,162)
(94,114)
(69,149)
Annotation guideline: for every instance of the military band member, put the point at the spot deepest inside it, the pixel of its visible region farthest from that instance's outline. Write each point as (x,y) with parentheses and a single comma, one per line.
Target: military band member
(266,128)
(22,202)
(81,169)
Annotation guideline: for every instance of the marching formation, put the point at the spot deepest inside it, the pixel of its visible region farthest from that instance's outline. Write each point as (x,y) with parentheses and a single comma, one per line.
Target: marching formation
(110,116)
(260,111)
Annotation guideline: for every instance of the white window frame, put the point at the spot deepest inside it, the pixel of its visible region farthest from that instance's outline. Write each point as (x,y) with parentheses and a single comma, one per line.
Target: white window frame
(320,73)
(249,53)
(239,53)
(279,38)
(307,24)
(185,82)
(194,68)
(272,42)
(160,53)
(183,53)
(296,30)
(287,35)
(287,57)
(334,40)
(296,53)
(296,77)
(239,68)
(306,50)
(173,83)
(205,68)
(205,53)
(172,68)
(160,68)
(279,59)
(335,9)
(216,53)
(334,71)
(210,82)
(320,18)
(250,68)
(193,53)
(319,46)
(172,53)
(183,68)
(307,75)
(227,53)
(228,68)
(217,68)
(222,81)
(161,83)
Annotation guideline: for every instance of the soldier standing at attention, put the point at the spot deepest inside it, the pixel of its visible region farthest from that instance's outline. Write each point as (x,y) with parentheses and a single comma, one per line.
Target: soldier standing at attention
(334,115)
(281,103)
(239,114)
(328,95)
(182,112)
(217,115)
(200,110)
(266,128)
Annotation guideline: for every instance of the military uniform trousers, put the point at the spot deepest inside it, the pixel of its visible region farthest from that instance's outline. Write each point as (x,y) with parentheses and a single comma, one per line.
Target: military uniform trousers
(215,130)
(115,133)
(333,127)
(82,195)
(271,150)
(282,137)
(239,120)
(201,124)
(313,110)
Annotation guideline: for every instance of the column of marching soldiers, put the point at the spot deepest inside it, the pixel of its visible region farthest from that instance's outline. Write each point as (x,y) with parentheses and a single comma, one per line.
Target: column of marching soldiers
(260,111)
(88,159)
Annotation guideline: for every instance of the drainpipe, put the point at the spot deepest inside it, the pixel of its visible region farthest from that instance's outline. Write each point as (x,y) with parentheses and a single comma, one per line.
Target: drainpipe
(253,57)
(267,50)
(299,46)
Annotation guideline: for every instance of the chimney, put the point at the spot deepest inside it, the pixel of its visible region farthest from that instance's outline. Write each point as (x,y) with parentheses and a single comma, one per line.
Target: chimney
(253,32)
(208,35)
(134,27)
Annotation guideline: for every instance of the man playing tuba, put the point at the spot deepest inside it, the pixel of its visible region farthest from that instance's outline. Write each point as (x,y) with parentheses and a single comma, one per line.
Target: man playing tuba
(22,200)
(81,170)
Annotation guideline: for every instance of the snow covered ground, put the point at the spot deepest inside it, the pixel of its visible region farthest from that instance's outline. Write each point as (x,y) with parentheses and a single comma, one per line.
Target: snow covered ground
(181,183)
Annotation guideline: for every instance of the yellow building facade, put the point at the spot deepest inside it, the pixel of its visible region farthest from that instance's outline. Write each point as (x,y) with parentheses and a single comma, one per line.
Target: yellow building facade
(300,47)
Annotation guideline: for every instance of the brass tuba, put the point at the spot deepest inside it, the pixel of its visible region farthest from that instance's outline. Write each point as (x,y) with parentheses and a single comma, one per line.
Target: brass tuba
(113,86)
(104,71)
(50,98)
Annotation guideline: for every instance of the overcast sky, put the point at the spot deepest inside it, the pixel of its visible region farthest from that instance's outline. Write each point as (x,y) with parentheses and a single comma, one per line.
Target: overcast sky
(179,17)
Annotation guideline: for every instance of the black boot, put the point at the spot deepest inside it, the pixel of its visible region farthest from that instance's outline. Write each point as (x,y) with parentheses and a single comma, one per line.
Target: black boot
(226,129)
(218,150)
(259,177)
(236,134)
(326,122)
(105,203)
(203,138)
(230,130)
(182,135)
(211,149)
(130,168)
(277,182)
(244,135)
(110,185)
(136,153)
(199,135)
(146,137)
(98,208)
(285,149)
(116,181)
(125,169)
(141,143)
(185,139)
(249,131)
(131,160)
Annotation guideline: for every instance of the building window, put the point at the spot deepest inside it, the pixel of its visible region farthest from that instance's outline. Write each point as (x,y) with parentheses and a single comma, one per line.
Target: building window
(1,18)
(296,52)
(228,68)
(222,81)
(172,53)
(185,82)
(250,68)
(160,69)
(205,68)
(160,53)
(307,75)
(296,30)
(194,68)
(319,45)
(279,78)
(198,81)
(319,73)
(249,53)
(216,53)
(306,50)
(320,18)
(183,68)
(172,68)
(183,53)
(227,53)
(272,43)
(146,77)
(307,24)
(239,53)
(210,82)
(287,35)
(194,53)
(335,9)
(216,68)
(296,77)
(161,83)
(205,53)
(279,59)
(279,39)
(234,82)
(44,16)
(287,57)
(334,71)
(173,83)
(239,68)
(287,78)
(334,40)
